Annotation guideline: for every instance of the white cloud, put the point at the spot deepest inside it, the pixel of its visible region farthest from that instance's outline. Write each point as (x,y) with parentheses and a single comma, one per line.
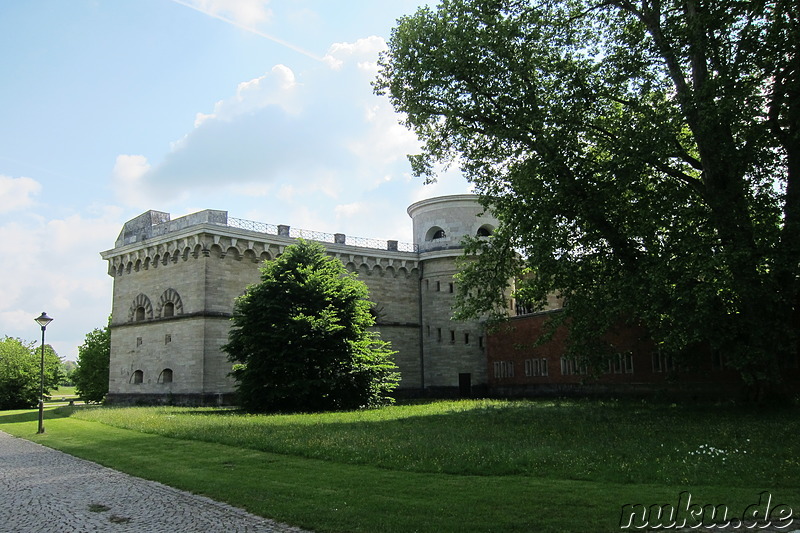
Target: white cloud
(315,149)
(60,272)
(349,210)
(127,179)
(17,193)
(278,88)
(245,15)
(244,12)
(364,53)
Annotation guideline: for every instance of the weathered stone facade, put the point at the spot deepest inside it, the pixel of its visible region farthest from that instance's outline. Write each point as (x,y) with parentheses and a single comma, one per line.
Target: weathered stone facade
(175,282)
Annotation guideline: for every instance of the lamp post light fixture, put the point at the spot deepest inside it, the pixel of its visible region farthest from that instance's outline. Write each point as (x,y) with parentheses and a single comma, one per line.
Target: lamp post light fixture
(42,320)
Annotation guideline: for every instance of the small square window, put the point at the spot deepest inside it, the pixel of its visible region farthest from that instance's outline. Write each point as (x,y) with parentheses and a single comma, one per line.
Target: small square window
(138,341)
(168,338)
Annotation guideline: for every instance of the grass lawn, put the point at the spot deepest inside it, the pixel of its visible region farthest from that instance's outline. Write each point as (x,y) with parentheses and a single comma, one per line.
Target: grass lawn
(63,393)
(451,466)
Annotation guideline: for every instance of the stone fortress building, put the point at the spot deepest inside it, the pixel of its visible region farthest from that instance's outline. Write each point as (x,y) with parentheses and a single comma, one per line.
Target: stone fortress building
(175,282)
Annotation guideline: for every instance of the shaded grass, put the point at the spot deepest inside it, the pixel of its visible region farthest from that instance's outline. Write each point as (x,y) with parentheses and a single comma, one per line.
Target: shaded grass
(346,491)
(617,442)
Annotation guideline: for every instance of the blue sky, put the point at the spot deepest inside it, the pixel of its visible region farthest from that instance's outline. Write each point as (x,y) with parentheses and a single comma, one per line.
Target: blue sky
(262,108)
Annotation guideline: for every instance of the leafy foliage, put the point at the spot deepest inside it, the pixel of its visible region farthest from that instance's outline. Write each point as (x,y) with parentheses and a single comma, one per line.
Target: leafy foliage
(300,338)
(20,373)
(67,369)
(643,159)
(91,375)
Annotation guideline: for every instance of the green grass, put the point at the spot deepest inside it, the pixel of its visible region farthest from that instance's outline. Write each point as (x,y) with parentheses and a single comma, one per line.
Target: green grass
(446,466)
(63,393)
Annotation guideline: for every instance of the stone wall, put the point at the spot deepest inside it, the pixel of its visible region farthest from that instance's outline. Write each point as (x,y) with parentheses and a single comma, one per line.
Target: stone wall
(451,348)
(175,282)
(197,270)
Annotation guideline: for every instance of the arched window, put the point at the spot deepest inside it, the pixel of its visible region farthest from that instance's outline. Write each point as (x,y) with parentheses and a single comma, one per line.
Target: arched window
(484,231)
(141,309)
(137,377)
(169,304)
(435,233)
(165,376)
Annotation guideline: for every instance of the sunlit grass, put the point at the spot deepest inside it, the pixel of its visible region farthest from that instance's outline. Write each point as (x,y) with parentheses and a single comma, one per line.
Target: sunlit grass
(63,393)
(618,442)
(444,467)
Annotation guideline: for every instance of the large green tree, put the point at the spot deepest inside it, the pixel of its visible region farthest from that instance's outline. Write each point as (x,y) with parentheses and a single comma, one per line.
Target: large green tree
(643,159)
(20,372)
(91,375)
(301,340)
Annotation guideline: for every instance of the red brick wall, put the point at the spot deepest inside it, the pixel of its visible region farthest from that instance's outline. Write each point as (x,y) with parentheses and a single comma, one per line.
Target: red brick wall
(514,342)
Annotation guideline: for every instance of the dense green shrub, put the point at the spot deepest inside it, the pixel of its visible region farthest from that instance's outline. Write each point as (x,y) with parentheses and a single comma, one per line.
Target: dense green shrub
(20,367)
(300,338)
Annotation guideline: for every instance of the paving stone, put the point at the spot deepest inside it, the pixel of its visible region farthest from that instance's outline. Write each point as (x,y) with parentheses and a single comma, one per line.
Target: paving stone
(45,490)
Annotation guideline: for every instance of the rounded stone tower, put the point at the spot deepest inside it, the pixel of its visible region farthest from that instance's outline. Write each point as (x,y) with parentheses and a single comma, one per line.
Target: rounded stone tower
(452,352)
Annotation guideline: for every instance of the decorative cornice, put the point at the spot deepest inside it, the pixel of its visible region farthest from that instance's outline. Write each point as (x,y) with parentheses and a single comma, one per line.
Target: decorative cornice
(225,242)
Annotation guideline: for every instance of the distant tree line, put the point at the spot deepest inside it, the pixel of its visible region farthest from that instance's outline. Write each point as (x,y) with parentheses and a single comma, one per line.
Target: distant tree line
(20,366)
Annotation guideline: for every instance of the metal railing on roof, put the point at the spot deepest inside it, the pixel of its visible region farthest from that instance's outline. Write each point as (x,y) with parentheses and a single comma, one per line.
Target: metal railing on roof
(331,238)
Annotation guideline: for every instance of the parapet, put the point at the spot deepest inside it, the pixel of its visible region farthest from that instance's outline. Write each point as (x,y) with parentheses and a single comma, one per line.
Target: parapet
(154,223)
(157,223)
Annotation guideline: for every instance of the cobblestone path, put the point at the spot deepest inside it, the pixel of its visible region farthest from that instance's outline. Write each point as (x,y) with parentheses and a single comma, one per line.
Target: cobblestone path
(44,490)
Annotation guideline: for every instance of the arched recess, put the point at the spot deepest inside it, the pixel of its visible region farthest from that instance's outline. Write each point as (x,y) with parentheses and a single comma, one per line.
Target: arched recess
(137,377)
(165,376)
(215,250)
(435,233)
(141,309)
(233,253)
(250,256)
(485,231)
(170,304)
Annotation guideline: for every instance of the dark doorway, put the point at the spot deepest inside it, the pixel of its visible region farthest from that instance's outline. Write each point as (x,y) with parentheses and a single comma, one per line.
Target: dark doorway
(465,385)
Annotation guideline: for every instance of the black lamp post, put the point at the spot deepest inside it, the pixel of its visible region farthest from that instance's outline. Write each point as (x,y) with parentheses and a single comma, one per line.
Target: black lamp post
(42,320)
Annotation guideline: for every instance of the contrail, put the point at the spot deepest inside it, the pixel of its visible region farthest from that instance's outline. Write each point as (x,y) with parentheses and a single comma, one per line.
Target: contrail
(251,30)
